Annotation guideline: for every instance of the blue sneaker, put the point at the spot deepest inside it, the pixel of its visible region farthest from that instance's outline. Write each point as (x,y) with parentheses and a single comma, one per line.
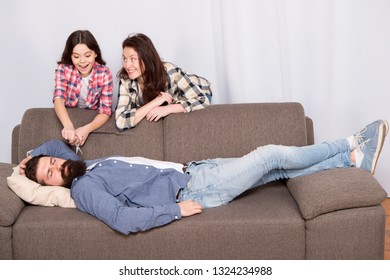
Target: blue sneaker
(370,142)
(366,133)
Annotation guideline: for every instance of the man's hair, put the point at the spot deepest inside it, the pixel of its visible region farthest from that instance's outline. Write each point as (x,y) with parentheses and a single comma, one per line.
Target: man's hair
(74,168)
(31,168)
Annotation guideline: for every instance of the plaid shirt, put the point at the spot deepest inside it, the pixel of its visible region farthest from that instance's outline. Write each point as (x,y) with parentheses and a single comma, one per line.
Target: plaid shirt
(68,86)
(189,90)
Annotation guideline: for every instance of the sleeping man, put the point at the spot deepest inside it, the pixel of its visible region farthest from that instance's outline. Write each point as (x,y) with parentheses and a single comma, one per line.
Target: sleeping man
(132,194)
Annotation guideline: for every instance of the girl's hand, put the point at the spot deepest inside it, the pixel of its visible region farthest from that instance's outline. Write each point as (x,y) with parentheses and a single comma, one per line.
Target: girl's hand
(82,134)
(69,134)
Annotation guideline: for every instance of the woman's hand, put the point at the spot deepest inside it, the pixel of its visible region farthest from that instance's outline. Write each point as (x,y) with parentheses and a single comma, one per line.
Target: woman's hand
(157,113)
(164,97)
(164,100)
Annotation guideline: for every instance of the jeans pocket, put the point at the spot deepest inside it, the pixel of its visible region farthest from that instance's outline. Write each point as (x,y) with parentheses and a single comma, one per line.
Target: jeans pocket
(214,199)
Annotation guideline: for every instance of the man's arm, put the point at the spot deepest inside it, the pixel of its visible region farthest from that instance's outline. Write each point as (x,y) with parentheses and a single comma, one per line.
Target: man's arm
(115,214)
(53,148)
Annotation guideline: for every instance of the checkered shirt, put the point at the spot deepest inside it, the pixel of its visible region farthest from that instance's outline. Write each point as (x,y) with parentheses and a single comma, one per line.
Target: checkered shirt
(189,90)
(68,85)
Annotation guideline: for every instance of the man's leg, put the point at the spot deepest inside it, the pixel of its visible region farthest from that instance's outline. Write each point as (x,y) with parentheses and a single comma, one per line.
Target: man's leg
(217,184)
(292,173)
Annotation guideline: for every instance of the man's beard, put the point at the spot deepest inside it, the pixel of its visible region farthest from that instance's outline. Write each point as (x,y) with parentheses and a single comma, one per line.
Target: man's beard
(72,169)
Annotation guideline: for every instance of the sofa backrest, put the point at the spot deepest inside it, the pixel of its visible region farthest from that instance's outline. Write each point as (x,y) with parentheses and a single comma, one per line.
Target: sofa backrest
(41,124)
(232,130)
(217,131)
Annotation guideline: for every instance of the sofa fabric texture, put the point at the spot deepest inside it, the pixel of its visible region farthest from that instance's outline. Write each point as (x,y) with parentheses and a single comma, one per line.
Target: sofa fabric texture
(334,214)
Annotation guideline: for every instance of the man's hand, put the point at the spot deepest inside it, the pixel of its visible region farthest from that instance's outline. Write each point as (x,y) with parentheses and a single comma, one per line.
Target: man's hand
(22,165)
(189,208)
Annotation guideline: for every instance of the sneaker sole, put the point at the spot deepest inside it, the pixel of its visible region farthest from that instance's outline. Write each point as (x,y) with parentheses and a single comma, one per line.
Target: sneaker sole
(384,129)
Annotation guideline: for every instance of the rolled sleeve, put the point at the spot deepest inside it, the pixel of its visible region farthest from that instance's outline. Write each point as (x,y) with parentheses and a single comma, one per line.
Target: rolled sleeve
(55,148)
(106,94)
(61,83)
(126,108)
(191,91)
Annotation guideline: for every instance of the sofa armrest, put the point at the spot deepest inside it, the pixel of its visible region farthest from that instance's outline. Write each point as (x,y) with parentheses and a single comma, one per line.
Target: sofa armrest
(335,189)
(309,131)
(10,204)
(15,144)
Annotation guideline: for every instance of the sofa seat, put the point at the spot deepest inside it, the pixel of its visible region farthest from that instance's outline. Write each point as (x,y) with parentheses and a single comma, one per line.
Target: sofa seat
(272,221)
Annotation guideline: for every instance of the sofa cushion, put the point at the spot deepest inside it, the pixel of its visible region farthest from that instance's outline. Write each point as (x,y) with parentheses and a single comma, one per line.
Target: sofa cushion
(264,223)
(10,203)
(333,190)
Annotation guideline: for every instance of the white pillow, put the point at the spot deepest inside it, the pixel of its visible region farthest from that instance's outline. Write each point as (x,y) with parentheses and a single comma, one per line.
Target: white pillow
(36,194)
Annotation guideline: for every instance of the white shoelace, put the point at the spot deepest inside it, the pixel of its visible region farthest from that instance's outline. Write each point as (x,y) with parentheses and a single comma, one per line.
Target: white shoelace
(358,140)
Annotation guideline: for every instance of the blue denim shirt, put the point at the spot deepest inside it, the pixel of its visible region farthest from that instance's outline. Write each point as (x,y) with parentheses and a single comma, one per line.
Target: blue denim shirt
(127,197)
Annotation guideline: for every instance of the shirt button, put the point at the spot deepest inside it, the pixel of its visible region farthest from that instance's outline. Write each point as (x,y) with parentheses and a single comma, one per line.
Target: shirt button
(176,217)
(161,170)
(131,165)
(146,167)
(114,161)
(100,164)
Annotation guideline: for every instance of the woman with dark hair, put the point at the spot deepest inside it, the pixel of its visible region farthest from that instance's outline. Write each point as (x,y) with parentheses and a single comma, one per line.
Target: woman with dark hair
(152,89)
(82,80)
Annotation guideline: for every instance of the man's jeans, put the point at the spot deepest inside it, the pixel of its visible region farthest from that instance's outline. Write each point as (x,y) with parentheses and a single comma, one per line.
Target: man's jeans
(216,182)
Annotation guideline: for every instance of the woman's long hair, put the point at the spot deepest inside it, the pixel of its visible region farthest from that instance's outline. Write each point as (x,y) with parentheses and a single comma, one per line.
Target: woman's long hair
(154,75)
(80,37)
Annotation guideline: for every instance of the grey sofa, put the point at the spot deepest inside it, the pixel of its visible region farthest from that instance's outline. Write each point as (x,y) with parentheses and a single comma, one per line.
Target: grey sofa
(334,214)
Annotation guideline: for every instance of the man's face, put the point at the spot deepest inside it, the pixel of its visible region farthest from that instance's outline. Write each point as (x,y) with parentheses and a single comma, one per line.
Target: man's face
(49,171)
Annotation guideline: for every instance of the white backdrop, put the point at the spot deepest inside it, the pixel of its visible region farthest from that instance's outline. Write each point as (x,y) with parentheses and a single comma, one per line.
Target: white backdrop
(332,56)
